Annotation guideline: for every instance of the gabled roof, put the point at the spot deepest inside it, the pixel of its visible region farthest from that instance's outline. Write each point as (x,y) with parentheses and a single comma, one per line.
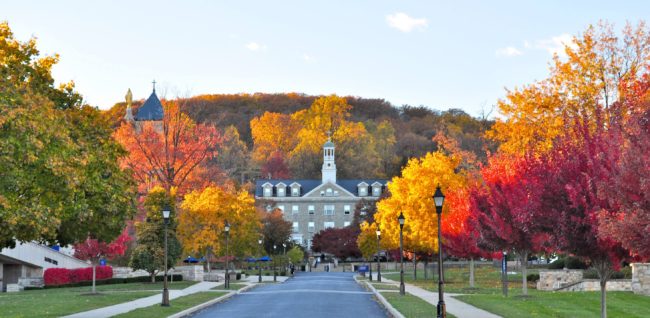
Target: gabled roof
(151,109)
(349,185)
(374,184)
(295,183)
(281,184)
(362,184)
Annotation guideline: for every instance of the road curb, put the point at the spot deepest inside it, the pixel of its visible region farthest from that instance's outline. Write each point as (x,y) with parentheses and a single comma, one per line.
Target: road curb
(394,312)
(198,307)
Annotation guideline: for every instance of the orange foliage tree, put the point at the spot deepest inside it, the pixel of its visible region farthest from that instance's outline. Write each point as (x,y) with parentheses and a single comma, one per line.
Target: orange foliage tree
(171,156)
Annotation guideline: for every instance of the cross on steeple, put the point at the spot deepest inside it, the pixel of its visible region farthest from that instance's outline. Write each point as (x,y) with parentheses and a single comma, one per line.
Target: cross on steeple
(329,135)
(154,85)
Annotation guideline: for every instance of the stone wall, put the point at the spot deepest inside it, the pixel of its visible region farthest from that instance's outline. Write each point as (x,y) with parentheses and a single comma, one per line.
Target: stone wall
(554,279)
(612,285)
(641,278)
(31,281)
(192,272)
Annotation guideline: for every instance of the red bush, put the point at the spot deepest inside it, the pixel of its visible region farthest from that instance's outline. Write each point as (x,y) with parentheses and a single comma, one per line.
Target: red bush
(62,276)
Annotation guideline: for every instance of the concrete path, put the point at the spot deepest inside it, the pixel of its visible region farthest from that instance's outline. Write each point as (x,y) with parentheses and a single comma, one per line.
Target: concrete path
(311,295)
(143,302)
(454,306)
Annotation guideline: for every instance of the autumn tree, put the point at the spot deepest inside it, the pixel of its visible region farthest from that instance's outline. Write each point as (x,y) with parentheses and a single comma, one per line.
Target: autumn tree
(204,214)
(276,230)
(340,242)
(296,255)
(276,167)
(172,157)
(58,174)
(233,158)
(149,253)
(596,63)
(273,132)
(94,250)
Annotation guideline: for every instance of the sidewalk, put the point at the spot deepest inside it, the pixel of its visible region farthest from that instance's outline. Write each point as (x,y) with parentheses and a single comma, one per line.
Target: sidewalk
(454,306)
(143,302)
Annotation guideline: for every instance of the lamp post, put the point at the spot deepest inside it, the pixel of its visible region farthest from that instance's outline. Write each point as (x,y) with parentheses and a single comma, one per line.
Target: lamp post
(275,274)
(438,200)
(226,228)
(284,256)
(378,256)
(165,295)
(259,278)
(401,220)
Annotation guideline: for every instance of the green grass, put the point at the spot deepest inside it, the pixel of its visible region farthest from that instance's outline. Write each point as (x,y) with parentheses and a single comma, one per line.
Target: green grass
(385,286)
(176,305)
(158,286)
(411,306)
(487,280)
(562,304)
(232,287)
(60,302)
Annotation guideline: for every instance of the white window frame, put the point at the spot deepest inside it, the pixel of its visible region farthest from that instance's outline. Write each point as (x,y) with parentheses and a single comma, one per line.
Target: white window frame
(295,209)
(328,209)
(295,191)
(329,224)
(311,209)
(268,191)
(376,191)
(311,227)
(281,191)
(346,209)
(295,227)
(363,191)
(346,223)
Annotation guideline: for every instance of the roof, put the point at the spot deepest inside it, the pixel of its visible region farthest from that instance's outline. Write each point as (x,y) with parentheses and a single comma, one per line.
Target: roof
(329,144)
(151,109)
(307,185)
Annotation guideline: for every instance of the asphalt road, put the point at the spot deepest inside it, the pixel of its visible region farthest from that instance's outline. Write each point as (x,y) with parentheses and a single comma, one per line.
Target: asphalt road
(308,295)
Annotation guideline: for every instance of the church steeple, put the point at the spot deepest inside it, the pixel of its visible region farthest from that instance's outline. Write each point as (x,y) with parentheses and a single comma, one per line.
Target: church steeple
(329,164)
(129,113)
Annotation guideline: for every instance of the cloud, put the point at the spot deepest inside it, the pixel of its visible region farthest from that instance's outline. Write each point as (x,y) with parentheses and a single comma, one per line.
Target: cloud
(404,23)
(308,58)
(556,44)
(509,51)
(254,46)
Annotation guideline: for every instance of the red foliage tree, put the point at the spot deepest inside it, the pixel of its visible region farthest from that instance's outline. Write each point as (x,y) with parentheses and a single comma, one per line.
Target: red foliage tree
(503,209)
(340,242)
(93,250)
(276,167)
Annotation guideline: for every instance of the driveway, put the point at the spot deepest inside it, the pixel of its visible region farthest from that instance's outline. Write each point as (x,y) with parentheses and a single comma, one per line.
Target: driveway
(308,295)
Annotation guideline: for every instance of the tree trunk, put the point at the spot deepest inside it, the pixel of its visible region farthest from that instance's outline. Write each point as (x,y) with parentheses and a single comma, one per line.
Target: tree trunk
(603,298)
(604,269)
(415,267)
(153,277)
(94,291)
(471,272)
(426,262)
(524,280)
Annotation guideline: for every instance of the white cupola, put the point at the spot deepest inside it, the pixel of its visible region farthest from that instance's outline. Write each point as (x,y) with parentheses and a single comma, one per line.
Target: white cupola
(329,166)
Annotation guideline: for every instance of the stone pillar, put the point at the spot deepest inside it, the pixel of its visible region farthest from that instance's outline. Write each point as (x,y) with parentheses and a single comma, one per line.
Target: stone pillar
(1,275)
(641,278)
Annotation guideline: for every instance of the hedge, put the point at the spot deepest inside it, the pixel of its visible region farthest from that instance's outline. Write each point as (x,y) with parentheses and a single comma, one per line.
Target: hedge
(64,276)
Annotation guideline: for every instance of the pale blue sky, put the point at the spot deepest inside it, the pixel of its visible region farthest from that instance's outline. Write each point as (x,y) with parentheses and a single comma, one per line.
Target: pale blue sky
(441,54)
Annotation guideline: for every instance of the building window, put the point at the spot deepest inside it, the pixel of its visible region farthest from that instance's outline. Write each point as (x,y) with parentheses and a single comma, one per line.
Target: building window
(346,209)
(267,192)
(346,223)
(311,227)
(310,209)
(376,191)
(296,227)
(295,192)
(363,191)
(329,192)
(329,209)
(49,260)
(281,191)
(281,207)
(294,209)
(328,225)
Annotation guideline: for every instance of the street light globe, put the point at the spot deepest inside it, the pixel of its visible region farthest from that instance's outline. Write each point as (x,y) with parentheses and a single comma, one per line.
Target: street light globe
(401,219)
(166,213)
(259,241)
(227,227)
(438,199)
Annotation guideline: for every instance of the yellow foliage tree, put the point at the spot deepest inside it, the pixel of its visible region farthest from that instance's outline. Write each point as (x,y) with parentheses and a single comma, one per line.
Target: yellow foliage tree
(412,194)
(204,213)
(273,132)
(596,72)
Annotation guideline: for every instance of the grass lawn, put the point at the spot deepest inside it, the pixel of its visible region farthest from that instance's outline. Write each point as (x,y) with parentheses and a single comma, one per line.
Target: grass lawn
(233,286)
(487,280)
(60,301)
(411,306)
(176,305)
(385,286)
(562,304)
(158,286)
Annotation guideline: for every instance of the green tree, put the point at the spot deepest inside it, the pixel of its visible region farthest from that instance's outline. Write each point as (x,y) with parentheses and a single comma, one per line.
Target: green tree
(296,255)
(149,254)
(59,181)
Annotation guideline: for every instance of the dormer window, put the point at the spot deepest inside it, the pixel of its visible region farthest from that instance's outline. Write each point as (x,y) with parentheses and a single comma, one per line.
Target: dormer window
(268,190)
(376,189)
(281,189)
(362,189)
(295,189)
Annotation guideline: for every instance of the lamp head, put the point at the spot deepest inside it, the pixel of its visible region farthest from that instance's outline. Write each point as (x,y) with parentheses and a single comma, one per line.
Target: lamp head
(401,219)
(166,212)
(438,199)
(259,241)
(227,227)
(378,230)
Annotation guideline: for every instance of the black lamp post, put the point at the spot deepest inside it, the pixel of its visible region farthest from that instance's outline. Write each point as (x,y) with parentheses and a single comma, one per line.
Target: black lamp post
(165,295)
(378,256)
(284,256)
(275,273)
(259,278)
(438,200)
(401,220)
(226,228)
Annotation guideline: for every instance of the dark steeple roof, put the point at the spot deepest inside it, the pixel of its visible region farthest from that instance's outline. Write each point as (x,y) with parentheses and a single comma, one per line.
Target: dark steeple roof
(151,110)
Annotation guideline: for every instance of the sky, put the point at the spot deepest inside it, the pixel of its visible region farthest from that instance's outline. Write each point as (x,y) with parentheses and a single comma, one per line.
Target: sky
(439,54)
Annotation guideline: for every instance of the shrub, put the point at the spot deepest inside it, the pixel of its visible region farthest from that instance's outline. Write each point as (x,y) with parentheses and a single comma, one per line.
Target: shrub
(238,276)
(557,264)
(574,263)
(64,276)
(139,279)
(532,277)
